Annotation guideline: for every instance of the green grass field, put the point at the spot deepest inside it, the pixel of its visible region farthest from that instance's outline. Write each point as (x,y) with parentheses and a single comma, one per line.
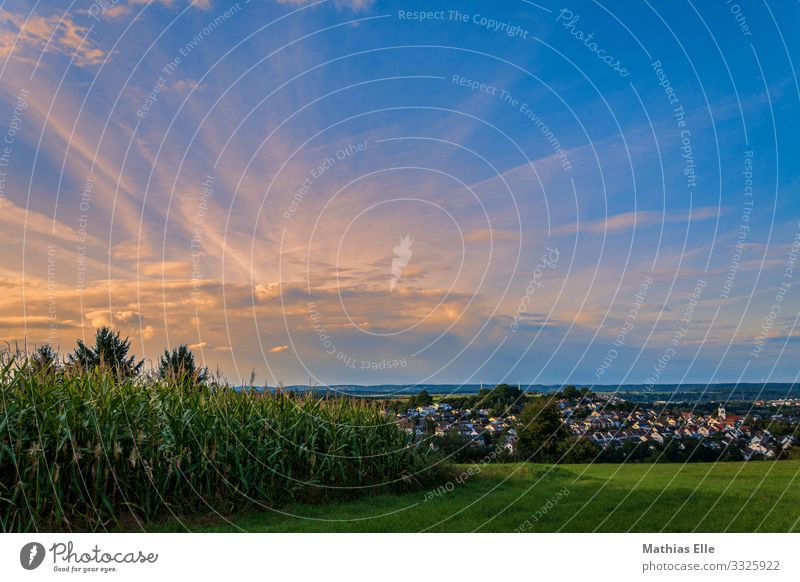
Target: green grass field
(704,497)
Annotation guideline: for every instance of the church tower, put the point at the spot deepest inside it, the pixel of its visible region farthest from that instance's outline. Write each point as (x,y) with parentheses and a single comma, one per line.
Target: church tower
(721,412)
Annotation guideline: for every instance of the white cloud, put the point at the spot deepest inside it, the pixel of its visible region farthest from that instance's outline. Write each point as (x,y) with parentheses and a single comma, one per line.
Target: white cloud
(626,221)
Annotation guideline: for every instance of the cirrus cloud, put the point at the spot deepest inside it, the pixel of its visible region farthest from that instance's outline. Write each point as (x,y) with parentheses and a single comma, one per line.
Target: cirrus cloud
(27,37)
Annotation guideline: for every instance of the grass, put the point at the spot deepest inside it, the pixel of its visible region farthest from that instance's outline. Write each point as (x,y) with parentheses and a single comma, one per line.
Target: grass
(702,497)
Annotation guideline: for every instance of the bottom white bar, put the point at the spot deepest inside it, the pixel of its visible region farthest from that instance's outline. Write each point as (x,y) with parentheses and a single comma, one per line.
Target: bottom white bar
(398,557)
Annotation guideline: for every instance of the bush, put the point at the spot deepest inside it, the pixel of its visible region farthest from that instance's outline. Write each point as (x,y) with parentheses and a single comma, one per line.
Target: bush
(541,431)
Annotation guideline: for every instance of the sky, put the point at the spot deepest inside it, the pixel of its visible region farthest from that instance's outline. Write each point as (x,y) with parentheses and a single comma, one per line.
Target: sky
(370,192)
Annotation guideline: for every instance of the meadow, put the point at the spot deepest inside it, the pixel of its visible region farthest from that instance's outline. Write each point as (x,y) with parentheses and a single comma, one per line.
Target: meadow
(699,497)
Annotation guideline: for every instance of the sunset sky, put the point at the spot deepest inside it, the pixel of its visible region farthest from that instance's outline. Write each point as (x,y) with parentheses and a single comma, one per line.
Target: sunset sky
(343,192)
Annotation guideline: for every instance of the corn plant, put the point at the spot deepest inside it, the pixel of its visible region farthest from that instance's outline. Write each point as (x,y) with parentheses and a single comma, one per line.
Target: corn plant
(89,450)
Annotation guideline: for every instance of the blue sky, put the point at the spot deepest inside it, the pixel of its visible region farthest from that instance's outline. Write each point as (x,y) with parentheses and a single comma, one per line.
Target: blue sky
(594,192)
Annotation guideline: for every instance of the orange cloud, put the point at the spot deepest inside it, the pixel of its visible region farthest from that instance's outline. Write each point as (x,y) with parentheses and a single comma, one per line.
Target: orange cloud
(486,235)
(28,36)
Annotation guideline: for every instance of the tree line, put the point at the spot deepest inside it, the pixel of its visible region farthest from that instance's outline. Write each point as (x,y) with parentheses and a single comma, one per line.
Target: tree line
(111,353)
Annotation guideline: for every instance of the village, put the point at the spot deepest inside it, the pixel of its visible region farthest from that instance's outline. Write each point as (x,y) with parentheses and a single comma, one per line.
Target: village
(475,426)
(611,423)
(716,430)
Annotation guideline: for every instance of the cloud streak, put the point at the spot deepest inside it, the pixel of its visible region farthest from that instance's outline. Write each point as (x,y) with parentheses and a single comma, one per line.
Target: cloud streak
(32,36)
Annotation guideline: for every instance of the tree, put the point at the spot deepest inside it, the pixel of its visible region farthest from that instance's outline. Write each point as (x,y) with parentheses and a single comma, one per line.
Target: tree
(570,392)
(421,399)
(44,359)
(424,399)
(457,448)
(502,397)
(179,366)
(578,450)
(430,427)
(110,352)
(540,430)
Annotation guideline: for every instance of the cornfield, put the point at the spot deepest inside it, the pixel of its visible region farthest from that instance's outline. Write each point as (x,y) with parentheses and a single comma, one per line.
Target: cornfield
(89,452)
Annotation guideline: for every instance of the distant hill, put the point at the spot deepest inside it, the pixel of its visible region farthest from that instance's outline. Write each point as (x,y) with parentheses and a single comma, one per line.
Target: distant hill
(639,392)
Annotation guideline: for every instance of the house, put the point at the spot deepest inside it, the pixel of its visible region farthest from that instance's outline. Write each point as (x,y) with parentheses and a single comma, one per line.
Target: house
(510,443)
(442,428)
(407,424)
(757,449)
